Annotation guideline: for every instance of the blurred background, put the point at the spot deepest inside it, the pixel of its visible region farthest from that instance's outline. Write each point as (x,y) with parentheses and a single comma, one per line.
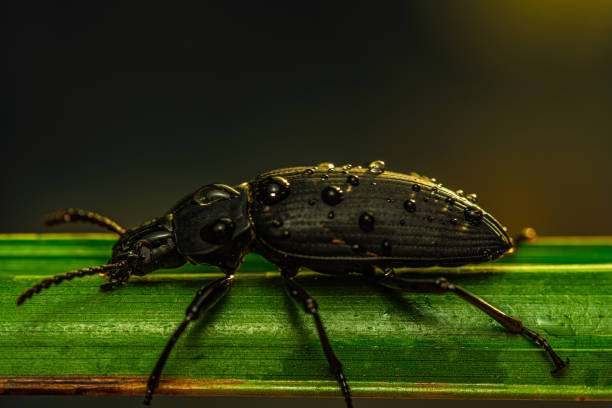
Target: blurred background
(123,110)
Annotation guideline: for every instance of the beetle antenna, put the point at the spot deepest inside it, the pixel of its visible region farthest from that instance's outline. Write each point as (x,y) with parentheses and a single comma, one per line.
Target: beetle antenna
(76,214)
(57,279)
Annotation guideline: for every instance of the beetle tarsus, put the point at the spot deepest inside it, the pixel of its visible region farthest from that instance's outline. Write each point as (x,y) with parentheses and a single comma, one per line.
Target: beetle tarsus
(541,341)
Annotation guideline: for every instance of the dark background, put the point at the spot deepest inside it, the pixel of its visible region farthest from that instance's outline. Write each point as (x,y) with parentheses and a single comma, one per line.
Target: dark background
(125,110)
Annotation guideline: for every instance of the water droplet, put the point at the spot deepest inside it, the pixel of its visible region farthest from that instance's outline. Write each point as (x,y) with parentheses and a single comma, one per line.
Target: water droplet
(218,232)
(472,197)
(209,195)
(434,180)
(430,218)
(312,201)
(324,177)
(326,165)
(410,205)
(330,170)
(376,167)
(459,193)
(277,222)
(487,252)
(366,221)
(347,166)
(308,172)
(416,187)
(332,195)
(473,215)
(286,234)
(390,200)
(273,190)
(373,183)
(453,221)
(386,247)
(330,215)
(352,180)
(357,248)
(450,200)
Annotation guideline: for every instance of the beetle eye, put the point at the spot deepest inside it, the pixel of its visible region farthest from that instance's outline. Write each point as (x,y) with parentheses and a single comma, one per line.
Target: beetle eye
(218,232)
(213,193)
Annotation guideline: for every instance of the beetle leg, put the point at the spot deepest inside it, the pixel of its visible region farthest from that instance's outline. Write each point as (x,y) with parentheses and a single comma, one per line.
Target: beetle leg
(204,300)
(309,305)
(441,285)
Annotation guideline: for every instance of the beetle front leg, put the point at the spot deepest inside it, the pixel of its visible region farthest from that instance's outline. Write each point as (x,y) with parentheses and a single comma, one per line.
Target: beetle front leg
(441,285)
(309,305)
(204,300)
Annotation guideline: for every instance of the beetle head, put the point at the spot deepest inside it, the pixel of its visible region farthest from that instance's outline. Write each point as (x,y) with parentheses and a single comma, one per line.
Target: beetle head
(148,247)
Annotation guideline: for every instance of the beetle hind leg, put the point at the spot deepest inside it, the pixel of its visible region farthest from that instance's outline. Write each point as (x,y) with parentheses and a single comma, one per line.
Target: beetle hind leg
(441,285)
(309,305)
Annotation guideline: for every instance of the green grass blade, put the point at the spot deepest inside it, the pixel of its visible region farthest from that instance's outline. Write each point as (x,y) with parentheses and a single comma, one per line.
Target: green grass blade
(73,338)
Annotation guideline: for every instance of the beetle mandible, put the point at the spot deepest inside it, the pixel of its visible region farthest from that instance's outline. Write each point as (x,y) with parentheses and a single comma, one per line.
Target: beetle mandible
(332,220)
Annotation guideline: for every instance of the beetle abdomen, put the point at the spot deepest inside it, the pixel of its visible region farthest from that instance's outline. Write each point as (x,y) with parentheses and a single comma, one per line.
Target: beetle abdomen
(346,219)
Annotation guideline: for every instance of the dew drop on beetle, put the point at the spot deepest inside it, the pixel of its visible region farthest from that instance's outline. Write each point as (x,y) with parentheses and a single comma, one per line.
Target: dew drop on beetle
(332,195)
(376,167)
(386,247)
(274,189)
(473,215)
(366,221)
(218,232)
(352,180)
(410,205)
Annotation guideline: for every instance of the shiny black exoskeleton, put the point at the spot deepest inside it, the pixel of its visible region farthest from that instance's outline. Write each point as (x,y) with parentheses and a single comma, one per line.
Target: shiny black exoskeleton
(330,219)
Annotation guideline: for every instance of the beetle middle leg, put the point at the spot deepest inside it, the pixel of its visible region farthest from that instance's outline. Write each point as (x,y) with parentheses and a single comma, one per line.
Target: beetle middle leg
(441,285)
(303,299)
(204,300)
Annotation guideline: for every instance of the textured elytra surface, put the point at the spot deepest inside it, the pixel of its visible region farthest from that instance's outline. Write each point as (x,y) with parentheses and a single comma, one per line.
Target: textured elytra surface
(256,341)
(362,215)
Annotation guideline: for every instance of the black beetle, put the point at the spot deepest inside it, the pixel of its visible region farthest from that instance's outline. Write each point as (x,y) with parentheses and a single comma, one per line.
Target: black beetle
(330,219)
